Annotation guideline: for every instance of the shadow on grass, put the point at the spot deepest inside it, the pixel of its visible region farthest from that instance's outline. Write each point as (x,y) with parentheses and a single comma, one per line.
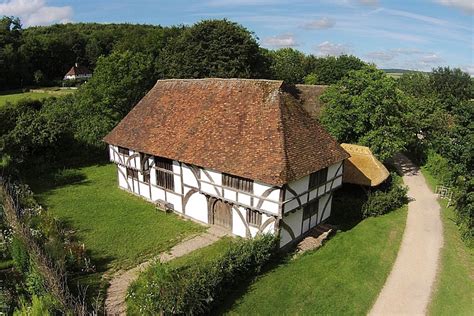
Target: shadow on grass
(230,300)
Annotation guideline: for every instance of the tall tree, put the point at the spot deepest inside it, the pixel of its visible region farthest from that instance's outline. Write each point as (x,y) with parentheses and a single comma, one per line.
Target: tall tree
(212,48)
(288,65)
(119,82)
(366,107)
(451,85)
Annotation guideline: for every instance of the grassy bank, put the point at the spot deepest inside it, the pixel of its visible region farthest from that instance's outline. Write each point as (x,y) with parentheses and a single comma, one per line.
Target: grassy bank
(343,277)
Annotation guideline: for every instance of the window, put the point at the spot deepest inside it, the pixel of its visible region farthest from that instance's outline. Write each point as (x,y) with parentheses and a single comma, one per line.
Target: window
(310,209)
(164,178)
(238,183)
(254,218)
(132,174)
(123,150)
(318,178)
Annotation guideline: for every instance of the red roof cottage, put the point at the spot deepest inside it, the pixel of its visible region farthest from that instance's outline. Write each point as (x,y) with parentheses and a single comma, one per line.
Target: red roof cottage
(239,153)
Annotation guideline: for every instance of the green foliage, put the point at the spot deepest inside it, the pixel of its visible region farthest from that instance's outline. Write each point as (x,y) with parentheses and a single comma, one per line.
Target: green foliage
(366,107)
(330,69)
(119,82)
(41,305)
(211,48)
(19,255)
(34,281)
(439,167)
(452,86)
(311,78)
(382,202)
(288,65)
(196,289)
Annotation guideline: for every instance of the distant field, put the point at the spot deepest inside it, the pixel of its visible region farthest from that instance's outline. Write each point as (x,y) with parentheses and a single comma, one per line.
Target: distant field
(16,96)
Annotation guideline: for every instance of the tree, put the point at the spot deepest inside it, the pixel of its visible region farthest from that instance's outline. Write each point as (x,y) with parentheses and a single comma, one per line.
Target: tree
(330,69)
(451,85)
(288,65)
(366,107)
(212,48)
(120,80)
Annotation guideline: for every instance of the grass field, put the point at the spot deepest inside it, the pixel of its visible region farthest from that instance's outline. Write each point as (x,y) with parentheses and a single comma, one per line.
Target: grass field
(118,228)
(15,97)
(343,277)
(454,290)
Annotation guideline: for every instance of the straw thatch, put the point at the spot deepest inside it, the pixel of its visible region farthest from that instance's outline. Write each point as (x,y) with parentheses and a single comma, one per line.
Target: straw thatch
(362,167)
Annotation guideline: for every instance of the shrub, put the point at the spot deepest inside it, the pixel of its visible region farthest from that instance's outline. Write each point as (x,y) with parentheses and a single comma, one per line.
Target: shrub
(19,255)
(439,167)
(382,202)
(196,289)
(40,306)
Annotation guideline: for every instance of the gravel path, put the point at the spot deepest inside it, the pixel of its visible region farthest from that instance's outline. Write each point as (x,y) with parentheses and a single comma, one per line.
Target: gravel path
(408,288)
(117,291)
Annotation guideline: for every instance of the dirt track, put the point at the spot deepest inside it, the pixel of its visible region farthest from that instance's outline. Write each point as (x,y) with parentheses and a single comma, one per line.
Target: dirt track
(408,288)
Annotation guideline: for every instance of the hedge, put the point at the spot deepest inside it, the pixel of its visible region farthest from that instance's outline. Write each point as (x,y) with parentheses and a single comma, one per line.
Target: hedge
(197,289)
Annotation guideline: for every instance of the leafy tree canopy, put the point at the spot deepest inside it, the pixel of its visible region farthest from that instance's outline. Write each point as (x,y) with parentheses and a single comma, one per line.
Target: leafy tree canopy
(212,48)
(366,107)
(288,65)
(451,85)
(119,82)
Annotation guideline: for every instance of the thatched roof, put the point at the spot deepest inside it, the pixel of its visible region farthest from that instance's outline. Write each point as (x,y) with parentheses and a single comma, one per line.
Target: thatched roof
(255,129)
(363,167)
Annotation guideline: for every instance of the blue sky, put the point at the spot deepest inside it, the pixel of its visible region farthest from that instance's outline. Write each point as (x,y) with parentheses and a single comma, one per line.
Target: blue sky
(392,34)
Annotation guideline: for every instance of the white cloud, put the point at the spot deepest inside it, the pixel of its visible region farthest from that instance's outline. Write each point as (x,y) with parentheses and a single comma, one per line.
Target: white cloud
(469,69)
(322,23)
(279,41)
(430,59)
(332,49)
(466,6)
(36,12)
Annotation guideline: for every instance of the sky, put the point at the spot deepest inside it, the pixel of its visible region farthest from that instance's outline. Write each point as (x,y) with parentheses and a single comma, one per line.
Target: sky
(416,34)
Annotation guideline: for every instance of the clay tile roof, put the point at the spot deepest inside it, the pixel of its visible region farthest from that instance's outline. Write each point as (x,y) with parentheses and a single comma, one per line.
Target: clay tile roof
(78,70)
(250,128)
(309,96)
(363,167)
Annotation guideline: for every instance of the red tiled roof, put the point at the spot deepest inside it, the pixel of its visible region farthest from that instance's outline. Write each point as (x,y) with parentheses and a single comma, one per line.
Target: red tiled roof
(309,96)
(255,129)
(78,70)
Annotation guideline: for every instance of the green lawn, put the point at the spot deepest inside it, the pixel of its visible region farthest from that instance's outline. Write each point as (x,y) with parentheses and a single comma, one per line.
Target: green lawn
(343,277)
(454,289)
(15,97)
(118,228)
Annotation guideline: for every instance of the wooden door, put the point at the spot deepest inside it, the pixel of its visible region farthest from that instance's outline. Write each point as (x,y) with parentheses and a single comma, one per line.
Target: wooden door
(222,214)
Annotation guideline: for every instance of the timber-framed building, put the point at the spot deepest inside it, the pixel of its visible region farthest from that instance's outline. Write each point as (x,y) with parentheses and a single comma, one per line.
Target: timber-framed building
(239,153)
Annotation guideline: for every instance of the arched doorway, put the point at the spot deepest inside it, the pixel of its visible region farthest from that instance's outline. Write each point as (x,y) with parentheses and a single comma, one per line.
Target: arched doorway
(220,213)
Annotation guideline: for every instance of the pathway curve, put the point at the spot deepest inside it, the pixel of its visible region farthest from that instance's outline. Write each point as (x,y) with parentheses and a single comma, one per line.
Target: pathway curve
(117,291)
(408,288)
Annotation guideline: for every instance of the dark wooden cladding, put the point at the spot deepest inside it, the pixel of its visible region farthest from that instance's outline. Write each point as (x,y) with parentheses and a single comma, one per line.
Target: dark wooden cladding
(310,209)
(254,218)
(131,173)
(238,183)
(164,179)
(164,163)
(123,150)
(318,178)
